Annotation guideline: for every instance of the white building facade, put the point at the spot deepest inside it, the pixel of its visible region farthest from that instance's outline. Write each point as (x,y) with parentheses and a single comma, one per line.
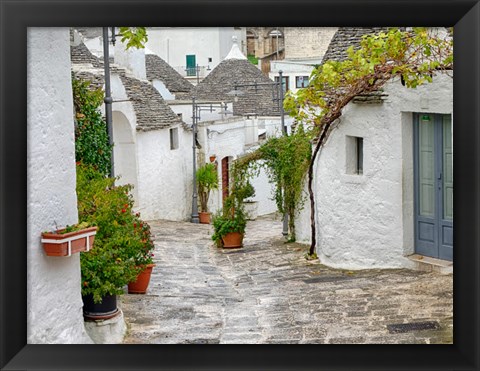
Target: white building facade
(378,215)
(184,48)
(54,313)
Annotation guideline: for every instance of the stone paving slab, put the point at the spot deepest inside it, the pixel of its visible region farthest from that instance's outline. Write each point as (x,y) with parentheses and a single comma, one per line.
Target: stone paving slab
(267,292)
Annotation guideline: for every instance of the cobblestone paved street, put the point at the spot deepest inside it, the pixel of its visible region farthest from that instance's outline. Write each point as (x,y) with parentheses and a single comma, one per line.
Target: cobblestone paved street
(267,292)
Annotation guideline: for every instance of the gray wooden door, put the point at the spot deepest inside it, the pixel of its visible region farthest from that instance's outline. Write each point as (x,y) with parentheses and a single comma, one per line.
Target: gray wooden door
(433,170)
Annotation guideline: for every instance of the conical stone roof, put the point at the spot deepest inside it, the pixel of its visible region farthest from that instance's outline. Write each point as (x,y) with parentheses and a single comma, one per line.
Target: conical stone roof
(346,37)
(222,79)
(158,69)
(151,110)
(337,51)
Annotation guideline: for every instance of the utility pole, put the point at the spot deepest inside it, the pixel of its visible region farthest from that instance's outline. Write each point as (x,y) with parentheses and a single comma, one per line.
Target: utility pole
(195,218)
(108,96)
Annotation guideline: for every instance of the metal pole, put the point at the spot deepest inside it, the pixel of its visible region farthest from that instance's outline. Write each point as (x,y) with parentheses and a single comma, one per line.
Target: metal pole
(284,131)
(195,218)
(108,97)
(282,113)
(198,74)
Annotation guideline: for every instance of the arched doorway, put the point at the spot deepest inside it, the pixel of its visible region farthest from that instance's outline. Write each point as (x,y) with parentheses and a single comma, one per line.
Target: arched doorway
(225,177)
(125,157)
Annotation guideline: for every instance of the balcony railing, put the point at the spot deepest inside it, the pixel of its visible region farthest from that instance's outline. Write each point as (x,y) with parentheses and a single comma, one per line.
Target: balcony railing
(199,71)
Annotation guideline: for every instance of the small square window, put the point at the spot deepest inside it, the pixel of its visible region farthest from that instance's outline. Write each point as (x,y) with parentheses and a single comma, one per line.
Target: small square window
(210,60)
(301,81)
(174,138)
(354,155)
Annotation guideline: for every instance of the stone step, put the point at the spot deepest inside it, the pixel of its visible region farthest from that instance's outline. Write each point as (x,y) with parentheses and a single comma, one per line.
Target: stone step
(429,264)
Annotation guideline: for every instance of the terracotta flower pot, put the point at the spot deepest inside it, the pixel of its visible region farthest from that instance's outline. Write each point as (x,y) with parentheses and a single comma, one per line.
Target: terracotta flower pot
(66,244)
(204,217)
(233,240)
(141,284)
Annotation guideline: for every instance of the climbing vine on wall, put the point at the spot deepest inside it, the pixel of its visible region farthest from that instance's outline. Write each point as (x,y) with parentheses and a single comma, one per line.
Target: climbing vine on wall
(91,138)
(286,160)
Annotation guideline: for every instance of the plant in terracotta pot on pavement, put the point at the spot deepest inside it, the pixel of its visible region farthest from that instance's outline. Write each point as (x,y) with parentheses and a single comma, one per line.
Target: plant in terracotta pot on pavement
(230,223)
(143,255)
(207,180)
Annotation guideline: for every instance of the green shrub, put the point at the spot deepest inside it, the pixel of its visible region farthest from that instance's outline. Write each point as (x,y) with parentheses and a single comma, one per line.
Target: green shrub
(122,244)
(252,59)
(91,137)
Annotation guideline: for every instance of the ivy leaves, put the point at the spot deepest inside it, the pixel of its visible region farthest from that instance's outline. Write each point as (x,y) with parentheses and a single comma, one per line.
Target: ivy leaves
(286,160)
(91,138)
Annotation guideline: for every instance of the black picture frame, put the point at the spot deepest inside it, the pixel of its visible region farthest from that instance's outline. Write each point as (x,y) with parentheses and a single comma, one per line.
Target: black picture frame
(16,16)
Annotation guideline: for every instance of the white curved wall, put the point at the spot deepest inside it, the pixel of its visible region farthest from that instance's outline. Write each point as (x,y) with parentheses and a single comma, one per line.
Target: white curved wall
(54,313)
(164,186)
(133,59)
(366,221)
(124,152)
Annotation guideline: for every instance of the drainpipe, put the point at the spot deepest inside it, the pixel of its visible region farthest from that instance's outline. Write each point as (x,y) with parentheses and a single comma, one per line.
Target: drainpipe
(108,96)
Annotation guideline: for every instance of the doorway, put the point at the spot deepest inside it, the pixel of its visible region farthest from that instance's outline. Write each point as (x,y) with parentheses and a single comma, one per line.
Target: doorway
(191,65)
(433,173)
(225,178)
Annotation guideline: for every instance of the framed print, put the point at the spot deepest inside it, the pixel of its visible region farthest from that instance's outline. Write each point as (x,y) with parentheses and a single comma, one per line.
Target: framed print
(463,164)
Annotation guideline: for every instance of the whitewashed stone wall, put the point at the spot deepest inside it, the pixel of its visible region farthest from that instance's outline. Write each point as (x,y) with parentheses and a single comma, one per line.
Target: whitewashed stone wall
(228,139)
(124,137)
(163,90)
(366,221)
(95,45)
(132,59)
(292,69)
(54,283)
(165,176)
(305,42)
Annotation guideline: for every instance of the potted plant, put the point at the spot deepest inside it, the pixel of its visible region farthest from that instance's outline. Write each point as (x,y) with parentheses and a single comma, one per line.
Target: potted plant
(69,240)
(109,267)
(207,180)
(229,230)
(143,257)
(230,223)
